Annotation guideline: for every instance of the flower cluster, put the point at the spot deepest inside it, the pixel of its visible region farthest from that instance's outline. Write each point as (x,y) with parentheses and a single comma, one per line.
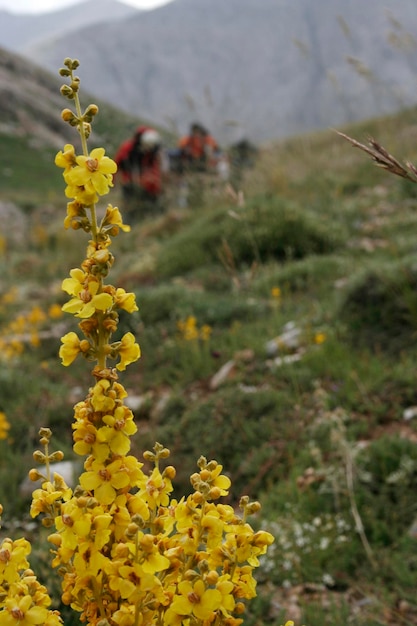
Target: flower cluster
(24,601)
(127,552)
(23,330)
(189,331)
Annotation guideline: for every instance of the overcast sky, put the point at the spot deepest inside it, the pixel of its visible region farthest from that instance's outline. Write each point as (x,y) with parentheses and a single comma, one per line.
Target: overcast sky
(40,6)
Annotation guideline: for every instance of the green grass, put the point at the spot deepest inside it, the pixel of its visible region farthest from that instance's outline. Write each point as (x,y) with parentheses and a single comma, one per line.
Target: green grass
(315,215)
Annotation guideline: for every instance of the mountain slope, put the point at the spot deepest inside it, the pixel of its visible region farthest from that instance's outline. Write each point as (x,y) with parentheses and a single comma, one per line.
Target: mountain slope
(263,69)
(18,32)
(31,128)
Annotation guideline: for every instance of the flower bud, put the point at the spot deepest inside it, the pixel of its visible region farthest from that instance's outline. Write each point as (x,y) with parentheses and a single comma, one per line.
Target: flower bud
(39,456)
(66,91)
(214,493)
(55,539)
(212,577)
(45,432)
(34,475)
(57,456)
(47,522)
(169,472)
(239,608)
(253,507)
(67,115)
(92,109)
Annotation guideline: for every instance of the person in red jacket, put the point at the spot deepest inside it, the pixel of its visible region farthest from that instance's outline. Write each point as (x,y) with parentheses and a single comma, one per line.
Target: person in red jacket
(198,149)
(140,170)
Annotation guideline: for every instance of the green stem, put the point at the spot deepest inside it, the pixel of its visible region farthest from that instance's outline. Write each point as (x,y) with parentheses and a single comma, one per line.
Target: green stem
(81,131)
(80,122)
(98,598)
(102,342)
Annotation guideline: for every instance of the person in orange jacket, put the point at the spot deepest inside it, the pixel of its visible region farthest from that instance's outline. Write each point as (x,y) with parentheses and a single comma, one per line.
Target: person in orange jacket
(140,168)
(198,150)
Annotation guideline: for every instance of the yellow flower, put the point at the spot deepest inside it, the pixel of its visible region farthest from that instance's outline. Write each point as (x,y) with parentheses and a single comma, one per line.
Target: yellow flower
(36,316)
(226,588)
(83,194)
(155,490)
(276,292)
(66,158)
(205,332)
(100,400)
(125,301)
(195,600)
(319,338)
(86,300)
(97,302)
(73,524)
(214,529)
(113,217)
(75,213)
(75,284)
(20,611)
(93,171)
(129,351)
(106,480)
(70,348)
(216,479)
(4,426)
(55,311)
(13,558)
(150,559)
(188,329)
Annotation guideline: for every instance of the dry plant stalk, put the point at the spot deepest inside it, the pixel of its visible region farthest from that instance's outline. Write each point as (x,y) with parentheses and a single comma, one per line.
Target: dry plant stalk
(384,159)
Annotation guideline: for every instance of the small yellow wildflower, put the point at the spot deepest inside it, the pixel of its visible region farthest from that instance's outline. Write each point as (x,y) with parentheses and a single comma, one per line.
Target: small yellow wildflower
(125,301)
(104,481)
(93,171)
(276,293)
(205,332)
(129,351)
(195,600)
(66,158)
(113,217)
(55,311)
(319,338)
(70,348)
(4,426)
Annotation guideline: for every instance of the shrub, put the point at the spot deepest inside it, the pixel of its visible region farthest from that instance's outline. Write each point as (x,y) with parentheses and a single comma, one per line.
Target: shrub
(266,229)
(380,307)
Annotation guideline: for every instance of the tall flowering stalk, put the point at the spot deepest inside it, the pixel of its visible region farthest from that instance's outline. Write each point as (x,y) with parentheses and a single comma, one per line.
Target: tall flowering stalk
(128,554)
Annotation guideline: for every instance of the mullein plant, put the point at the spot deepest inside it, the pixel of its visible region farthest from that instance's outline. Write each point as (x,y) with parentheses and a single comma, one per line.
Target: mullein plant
(128,554)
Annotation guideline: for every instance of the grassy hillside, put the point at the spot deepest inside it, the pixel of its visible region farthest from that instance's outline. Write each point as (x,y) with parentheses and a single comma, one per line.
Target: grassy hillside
(278,336)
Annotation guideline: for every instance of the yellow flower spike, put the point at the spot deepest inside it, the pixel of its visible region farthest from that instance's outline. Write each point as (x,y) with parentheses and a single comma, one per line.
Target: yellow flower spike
(131,555)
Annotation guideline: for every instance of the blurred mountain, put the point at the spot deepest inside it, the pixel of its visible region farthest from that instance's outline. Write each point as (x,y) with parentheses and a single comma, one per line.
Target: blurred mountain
(31,105)
(20,31)
(261,69)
